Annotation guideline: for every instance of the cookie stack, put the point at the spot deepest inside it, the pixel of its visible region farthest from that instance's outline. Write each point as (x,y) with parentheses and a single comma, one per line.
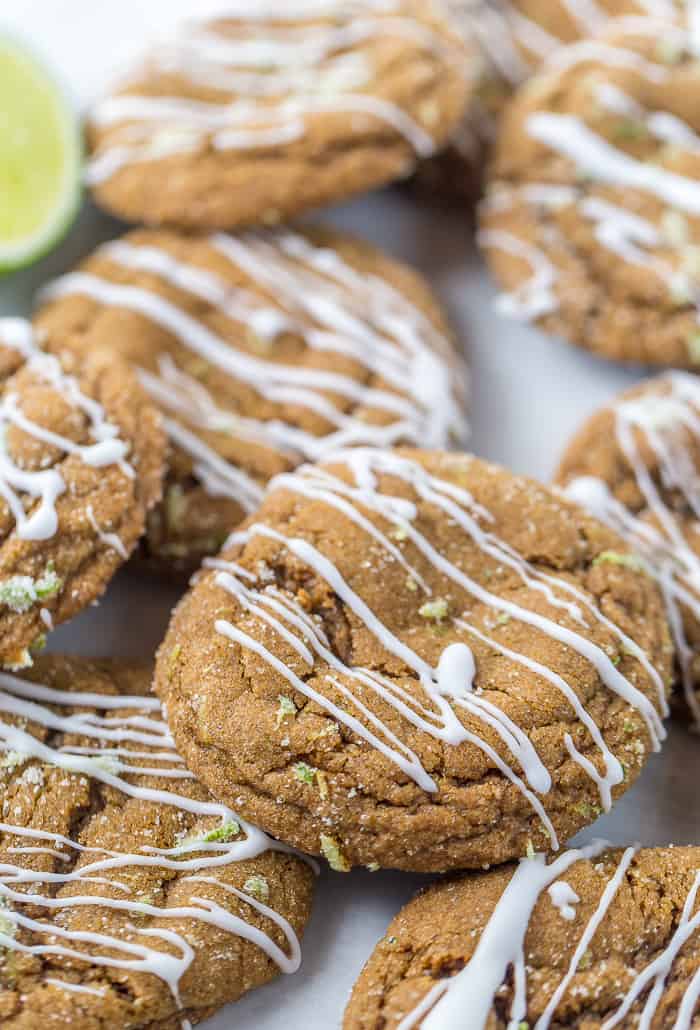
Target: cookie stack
(392,654)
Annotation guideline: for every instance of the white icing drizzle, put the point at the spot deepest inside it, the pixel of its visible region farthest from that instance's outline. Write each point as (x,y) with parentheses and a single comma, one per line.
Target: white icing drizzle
(28,702)
(665,414)
(277,77)
(564,898)
(587,936)
(511,45)
(111,540)
(75,988)
(656,972)
(487,24)
(532,37)
(332,307)
(448,688)
(41,522)
(535,297)
(570,136)
(502,945)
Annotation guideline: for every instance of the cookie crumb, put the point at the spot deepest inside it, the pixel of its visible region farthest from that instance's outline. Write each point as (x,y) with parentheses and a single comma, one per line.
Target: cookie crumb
(258,887)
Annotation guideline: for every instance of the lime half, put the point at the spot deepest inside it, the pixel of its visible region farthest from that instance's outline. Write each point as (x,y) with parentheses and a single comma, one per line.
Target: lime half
(40,158)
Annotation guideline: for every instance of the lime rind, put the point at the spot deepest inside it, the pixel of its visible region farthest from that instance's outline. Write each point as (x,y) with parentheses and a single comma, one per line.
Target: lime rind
(17,254)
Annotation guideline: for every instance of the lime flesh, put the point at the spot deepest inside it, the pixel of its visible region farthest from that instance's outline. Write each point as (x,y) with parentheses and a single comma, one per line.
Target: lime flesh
(40,158)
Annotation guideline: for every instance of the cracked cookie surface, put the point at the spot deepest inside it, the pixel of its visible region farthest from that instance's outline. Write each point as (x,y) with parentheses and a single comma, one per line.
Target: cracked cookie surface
(607,935)
(81,465)
(417,660)
(254,118)
(151,904)
(591,219)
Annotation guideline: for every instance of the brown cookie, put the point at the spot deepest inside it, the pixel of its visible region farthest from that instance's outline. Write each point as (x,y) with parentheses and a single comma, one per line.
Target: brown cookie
(512,39)
(417,660)
(636,466)
(592,218)
(263,351)
(151,904)
(255,117)
(81,465)
(591,939)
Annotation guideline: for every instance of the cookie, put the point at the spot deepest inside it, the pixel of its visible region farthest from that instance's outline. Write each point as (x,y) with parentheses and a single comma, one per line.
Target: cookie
(263,350)
(128,896)
(81,464)
(592,938)
(513,40)
(635,465)
(417,660)
(592,217)
(257,116)
(539,28)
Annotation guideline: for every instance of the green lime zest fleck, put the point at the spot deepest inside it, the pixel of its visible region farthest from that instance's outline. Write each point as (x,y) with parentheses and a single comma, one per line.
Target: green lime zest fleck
(20,593)
(39,643)
(11,760)
(175,507)
(530,850)
(435,611)
(222,834)
(174,657)
(588,811)
(258,887)
(304,773)
(333,854)
(630,129)
(629,561)
(49,584)
(286,708)
(669,50)
(7,925)
(693,347)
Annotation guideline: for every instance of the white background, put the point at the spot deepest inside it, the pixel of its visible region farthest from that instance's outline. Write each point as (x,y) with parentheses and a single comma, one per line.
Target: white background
(530,393)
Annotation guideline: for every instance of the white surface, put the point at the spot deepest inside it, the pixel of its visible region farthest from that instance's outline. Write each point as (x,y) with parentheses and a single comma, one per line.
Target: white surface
(529,394)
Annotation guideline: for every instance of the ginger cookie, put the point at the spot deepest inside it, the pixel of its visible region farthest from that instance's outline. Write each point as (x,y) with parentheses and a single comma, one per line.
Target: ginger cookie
(81,464)
(635,465)
(417,660)
(262,350)
(128,895)
(592,218)
(273,109)
(592,937)
(513,39)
